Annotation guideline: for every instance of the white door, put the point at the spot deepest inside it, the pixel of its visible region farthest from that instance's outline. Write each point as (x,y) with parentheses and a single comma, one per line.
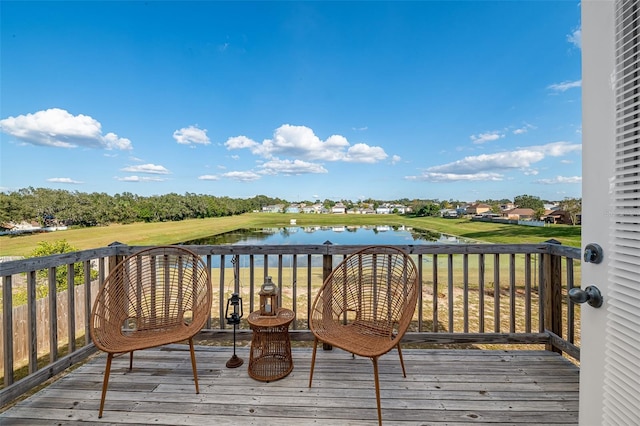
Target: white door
(610,335)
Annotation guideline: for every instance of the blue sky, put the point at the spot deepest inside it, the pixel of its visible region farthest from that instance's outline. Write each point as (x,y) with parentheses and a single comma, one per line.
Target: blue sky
(460,100)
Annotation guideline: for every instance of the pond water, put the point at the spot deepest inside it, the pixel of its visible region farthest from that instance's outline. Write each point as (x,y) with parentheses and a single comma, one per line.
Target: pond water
(359,235)
(316,235)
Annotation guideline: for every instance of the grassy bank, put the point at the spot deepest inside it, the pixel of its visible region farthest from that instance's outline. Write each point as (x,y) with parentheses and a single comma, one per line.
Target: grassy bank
(175,232)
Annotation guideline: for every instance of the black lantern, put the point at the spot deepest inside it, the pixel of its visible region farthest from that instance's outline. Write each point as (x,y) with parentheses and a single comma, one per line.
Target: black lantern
(234,319)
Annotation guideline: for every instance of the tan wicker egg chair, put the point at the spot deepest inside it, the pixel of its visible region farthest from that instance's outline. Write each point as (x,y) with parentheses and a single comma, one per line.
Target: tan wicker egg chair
(154,297)
(365,306)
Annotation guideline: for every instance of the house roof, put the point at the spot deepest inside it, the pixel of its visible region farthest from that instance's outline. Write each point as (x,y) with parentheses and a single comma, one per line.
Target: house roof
(520,211)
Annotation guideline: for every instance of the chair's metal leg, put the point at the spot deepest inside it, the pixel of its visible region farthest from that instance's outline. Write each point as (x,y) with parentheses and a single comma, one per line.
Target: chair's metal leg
(130,360)
(313,359)
(375,374)
(404,373)
(193,364)
(105,383)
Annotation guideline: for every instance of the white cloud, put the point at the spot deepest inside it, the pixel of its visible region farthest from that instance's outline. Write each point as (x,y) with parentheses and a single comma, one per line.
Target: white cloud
(239,142)
(523,129)
(363,153)
(64,180)
(112,141)
(140,179)
(575,38)
(191,134)
(560,179)
(557,149)
(291,167)
(300,142)
(209,177)
(452,177)
(501,161)
(58,128)
(147,168)
(247,176)
(395,159)
(490,166)
(486,137)
(565,85)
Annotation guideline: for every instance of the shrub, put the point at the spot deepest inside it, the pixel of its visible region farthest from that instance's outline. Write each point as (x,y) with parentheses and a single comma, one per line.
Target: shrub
(45,248)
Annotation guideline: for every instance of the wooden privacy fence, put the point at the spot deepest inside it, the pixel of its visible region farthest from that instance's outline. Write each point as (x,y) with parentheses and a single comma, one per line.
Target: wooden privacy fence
(42,318)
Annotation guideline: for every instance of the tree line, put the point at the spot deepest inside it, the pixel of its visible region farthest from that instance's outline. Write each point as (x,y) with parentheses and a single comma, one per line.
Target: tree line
(55,207)
(52,207)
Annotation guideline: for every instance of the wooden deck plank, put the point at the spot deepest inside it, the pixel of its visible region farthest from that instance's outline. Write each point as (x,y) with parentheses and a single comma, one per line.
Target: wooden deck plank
(456,387)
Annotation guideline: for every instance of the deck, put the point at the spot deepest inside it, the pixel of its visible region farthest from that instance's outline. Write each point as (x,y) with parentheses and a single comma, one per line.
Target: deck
(443,386)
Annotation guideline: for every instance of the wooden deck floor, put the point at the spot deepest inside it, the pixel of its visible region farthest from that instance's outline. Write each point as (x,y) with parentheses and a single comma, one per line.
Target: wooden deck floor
(452,387)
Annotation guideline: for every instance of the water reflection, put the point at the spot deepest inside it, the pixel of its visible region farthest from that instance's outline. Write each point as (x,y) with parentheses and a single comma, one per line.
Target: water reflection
(293,235)
(316,235)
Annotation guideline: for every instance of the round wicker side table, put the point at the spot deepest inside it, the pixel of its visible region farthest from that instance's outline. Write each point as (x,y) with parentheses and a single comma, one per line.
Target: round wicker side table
(270,356)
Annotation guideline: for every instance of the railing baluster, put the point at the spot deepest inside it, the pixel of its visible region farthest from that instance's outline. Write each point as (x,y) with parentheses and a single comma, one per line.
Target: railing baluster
(527,293)
(32,323)
(481,267)
(209,268)
(420,293)
(7,320)
(252,289)
(266,267)
(280,282)
(310,296)
(496,293)
(294,290)
(53,316)
(434,266)
(570,304)
(71,308)
(465,291)
(512,293)
(221,298)
(541,293)
(450,290)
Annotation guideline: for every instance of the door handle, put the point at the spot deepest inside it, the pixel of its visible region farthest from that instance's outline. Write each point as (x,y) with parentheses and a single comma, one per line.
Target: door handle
(591,295)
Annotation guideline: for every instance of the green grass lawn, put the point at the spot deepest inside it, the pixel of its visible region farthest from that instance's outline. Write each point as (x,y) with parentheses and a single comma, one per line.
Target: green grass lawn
(175,232)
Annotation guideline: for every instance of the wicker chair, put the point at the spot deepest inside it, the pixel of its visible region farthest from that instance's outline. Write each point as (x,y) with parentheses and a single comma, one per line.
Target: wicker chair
(365,306)
(154,297)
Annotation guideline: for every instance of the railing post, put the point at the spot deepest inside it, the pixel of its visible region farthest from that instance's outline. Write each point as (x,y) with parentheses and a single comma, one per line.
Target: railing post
(327,267)
(552,282)
(114,260)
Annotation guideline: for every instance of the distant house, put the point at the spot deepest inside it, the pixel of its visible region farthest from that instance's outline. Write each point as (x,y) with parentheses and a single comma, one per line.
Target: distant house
(400,209)
(519,214)
(507,206)
(388,208)
(449,213)
(478,208)
(293,208)
(561,217)
(275,208)
(316,208)
(339,208)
